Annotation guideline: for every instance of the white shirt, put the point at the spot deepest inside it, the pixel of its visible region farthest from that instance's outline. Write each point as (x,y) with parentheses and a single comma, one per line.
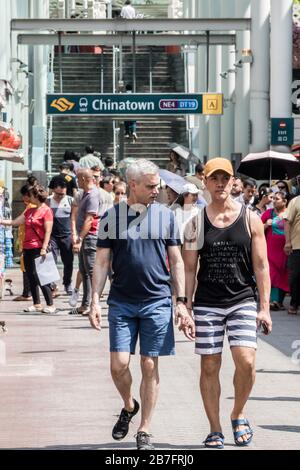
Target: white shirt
(128,12)
(183,217)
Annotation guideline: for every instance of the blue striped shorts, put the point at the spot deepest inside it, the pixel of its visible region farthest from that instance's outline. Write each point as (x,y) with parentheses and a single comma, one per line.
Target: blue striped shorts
(239,322)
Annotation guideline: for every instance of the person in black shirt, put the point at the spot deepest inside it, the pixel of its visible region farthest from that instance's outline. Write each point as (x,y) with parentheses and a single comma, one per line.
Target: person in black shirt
(65,170)
(232,250)
(61,243)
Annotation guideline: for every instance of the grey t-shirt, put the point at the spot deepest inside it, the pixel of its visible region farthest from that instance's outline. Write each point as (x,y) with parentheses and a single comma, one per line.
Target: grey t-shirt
(106,200)
(89,204)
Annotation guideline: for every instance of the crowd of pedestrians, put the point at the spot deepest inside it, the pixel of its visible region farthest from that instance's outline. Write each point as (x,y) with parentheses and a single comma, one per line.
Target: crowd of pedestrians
(65,223)
(218,256)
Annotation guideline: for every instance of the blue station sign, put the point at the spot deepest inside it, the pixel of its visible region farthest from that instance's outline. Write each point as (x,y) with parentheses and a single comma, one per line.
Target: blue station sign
(282,131)
(129,104)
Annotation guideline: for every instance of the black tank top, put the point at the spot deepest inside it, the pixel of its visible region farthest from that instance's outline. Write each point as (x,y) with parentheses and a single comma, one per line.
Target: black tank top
(225,277)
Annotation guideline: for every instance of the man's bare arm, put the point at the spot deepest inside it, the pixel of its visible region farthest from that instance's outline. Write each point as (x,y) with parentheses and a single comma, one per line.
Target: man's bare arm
(84,231)
(182,317)
(190,258)
(177,270)
(261,269)
(74,213)
(100,272)
(86,225)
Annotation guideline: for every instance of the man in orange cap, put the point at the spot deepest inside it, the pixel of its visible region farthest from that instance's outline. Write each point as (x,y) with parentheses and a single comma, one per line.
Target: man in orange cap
(232,253)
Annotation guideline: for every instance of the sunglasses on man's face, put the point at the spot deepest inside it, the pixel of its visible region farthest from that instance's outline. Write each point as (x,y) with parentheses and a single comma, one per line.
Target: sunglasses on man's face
(118,193)
(281,187)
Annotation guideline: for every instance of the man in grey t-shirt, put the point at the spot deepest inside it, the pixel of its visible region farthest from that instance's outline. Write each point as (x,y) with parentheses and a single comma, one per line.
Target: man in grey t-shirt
(85,238)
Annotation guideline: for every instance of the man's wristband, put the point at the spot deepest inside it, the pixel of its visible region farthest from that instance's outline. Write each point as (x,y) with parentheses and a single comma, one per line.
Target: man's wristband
(181,299)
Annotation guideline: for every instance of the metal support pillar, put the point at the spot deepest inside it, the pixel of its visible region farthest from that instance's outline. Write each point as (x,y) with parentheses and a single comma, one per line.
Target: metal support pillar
(260,75)
(281,61)
(150,71)
(214,122)
(202,140)
(59,62)
(228,86)
(133,63)
(242,86)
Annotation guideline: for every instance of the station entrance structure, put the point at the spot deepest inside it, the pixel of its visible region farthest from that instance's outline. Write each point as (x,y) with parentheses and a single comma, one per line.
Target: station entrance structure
(120,34)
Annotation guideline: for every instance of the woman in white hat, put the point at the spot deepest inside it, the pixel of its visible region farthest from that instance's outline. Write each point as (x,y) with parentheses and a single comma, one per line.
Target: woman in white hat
(186,207)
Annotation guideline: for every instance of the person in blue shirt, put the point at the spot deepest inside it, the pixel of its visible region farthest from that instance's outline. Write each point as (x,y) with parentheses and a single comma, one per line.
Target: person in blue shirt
(141,236)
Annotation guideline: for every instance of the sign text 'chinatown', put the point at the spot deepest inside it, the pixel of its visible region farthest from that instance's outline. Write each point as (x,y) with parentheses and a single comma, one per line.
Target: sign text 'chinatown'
(129,104)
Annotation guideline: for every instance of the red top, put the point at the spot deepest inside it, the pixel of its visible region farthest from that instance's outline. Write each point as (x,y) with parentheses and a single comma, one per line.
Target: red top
(34,226)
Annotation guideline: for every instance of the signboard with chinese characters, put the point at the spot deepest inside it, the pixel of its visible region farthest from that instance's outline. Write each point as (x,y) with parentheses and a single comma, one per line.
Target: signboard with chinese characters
(129,104)
(282,131)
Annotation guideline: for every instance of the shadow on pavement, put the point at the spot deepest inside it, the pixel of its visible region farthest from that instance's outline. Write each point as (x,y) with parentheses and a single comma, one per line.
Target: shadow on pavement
(266,371)
(270,398)
(111,446)
(42,352)
(281,427)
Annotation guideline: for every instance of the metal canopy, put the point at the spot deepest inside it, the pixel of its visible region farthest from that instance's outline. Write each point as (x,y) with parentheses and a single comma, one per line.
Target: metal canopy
(118,25)
(126,40)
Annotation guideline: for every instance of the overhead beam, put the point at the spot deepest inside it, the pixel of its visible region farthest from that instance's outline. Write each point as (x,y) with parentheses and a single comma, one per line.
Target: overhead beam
(137,24)
(126,39)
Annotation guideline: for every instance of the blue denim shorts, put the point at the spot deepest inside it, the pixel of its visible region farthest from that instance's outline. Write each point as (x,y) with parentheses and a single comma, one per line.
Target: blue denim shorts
(151,322)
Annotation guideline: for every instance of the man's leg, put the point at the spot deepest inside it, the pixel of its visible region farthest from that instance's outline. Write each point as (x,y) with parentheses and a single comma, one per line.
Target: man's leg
(78,281)
(54,248)
(211,390)
(148,390)
(123,381)
(244,377)
(126,127)
(121,375)
(85,302)
(88,255)
(294,274)
(67,257)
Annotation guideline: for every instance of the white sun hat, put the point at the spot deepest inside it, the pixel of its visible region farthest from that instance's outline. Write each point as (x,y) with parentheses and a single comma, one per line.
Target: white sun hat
(189,188)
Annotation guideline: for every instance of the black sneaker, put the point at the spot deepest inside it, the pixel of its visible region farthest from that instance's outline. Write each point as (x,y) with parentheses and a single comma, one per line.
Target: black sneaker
(143,441)
(121,427)
(74,311)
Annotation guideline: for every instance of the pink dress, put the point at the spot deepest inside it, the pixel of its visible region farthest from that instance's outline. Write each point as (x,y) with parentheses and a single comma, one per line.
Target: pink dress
(277,258)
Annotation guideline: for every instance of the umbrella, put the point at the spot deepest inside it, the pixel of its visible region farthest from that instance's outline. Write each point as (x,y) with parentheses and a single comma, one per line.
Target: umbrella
(177,183)
(174,181)
(296,150)
(269,165)
(184,152)
(124,164)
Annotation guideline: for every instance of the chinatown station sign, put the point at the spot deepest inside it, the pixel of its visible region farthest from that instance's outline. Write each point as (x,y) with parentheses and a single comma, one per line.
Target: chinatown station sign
(138,104)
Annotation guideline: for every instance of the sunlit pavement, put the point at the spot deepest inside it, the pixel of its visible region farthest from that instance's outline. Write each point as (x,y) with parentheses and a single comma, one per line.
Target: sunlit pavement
(56,390)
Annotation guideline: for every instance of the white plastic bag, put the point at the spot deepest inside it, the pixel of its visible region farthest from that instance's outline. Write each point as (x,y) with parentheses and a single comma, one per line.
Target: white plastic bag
(46,269)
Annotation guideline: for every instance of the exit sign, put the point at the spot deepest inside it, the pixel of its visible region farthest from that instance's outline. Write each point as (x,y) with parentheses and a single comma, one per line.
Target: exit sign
(282,131)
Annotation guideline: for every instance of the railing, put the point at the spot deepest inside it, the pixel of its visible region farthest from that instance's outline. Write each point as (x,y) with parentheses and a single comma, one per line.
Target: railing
(50,118)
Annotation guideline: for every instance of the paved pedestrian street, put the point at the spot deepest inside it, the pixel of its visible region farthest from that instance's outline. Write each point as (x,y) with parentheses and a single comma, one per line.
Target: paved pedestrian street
(56,390)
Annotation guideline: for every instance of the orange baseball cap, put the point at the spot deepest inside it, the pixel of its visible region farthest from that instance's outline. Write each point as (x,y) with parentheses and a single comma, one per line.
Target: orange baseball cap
(218,164)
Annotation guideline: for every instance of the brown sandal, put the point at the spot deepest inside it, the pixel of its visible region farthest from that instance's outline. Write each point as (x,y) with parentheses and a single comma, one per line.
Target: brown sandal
(292,311)
(21,298)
